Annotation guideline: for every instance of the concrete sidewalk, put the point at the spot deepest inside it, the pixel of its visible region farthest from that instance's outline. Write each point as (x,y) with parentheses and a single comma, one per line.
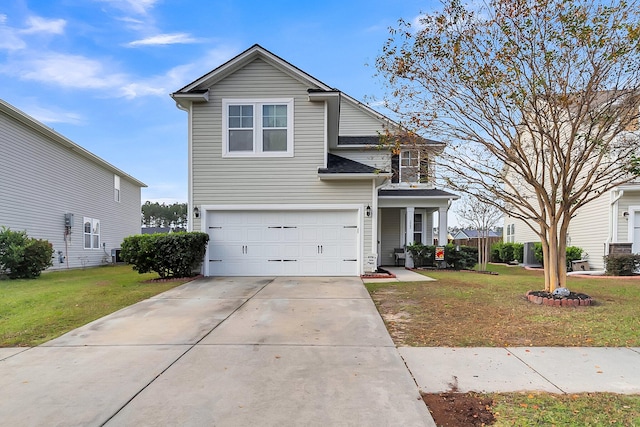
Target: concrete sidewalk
(224,352)
(550,369)
(402,275)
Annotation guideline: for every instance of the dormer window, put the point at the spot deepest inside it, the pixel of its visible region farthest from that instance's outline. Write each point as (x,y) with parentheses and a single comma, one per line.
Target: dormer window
(260,128)
(410,166)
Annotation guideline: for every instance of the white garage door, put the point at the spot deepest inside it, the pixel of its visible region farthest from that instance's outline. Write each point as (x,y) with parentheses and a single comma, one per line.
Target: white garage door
(283,243)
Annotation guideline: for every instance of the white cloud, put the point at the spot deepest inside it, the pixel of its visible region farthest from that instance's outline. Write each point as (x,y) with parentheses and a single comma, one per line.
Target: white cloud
(37,24)
(47,115)
(71,71)
(140,7)
(164,39)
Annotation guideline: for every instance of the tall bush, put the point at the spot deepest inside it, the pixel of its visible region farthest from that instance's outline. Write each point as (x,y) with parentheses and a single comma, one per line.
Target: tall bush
(622,264)
(21,256)
(169,255)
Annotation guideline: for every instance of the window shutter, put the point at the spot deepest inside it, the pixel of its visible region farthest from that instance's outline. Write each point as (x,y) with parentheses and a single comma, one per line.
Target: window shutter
(395,168)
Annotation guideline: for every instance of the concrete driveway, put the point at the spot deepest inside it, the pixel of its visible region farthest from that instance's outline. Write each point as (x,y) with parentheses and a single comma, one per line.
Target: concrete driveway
(223,352)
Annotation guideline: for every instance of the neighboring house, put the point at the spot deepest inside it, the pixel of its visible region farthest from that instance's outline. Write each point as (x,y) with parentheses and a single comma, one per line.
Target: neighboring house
(470,237)
(56,190)
(286,177)
(597,228)
(610,223)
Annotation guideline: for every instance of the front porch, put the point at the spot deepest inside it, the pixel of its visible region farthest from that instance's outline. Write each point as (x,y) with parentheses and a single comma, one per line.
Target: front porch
(409,216)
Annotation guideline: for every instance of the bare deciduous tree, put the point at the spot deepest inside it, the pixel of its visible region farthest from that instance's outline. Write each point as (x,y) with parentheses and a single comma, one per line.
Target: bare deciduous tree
(535,99)
(481,217)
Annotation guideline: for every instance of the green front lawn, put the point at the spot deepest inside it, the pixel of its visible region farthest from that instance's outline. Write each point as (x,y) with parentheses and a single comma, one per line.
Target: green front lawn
(35,311)
(467,309)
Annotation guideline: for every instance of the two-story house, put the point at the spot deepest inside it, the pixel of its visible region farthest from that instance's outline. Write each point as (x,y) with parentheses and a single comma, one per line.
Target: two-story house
(287,176)
(54,189)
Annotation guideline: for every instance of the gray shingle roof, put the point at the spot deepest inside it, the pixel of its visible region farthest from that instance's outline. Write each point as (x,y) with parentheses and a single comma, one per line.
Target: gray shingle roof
(337,164)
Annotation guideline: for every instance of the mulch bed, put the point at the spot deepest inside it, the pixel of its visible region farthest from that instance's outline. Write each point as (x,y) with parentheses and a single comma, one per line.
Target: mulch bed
(453,409)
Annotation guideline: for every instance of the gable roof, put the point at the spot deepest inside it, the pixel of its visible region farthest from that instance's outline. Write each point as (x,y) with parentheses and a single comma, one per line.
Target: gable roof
(28,121)
(474,234)
(244,58)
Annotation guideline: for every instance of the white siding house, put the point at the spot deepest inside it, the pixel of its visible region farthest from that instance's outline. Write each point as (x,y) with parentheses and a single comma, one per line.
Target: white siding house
(284,177)
(54,189)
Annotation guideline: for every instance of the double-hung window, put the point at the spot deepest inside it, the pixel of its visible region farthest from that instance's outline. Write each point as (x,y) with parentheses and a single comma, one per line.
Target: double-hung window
(410,166)
(259,127)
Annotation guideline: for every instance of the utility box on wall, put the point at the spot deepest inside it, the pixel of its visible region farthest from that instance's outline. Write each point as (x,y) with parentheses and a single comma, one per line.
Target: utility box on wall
(68,220)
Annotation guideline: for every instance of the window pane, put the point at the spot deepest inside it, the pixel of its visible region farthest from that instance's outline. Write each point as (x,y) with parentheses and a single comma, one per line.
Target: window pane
(274,140)
(96,242)
(87,227)
(274,116)
(240,140)
(417,222)
(417,237)
(240,116)
(87,241)
(96,227)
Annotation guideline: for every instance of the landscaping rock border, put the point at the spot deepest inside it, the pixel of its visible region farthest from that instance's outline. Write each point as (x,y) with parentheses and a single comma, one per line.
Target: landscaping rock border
(546,298)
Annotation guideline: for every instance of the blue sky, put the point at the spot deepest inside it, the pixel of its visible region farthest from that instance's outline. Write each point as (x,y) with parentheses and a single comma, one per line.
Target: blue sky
(100,71)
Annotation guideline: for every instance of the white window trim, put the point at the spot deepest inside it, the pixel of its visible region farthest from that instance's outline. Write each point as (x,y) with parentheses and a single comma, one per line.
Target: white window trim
(401,167)
(93,222)
(257,127)
(116,188)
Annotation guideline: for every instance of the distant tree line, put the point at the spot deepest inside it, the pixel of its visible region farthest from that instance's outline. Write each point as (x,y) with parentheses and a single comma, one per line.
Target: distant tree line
(164,215)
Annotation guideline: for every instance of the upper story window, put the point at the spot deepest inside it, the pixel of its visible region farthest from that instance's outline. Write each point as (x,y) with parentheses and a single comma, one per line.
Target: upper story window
(261,128)
(410,166)
(116,188)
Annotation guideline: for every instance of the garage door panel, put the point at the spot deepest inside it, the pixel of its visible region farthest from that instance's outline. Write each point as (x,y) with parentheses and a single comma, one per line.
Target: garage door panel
(283,243)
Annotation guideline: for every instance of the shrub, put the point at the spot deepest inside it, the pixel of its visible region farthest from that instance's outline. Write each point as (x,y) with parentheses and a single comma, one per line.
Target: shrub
(622,264)
(464,257)
(23,257)
(518,252)
(169,255)
(495,252)
(507,252)
(423,255)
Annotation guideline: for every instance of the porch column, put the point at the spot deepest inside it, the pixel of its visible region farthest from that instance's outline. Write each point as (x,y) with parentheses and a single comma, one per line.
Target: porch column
(442,226)
(409,236)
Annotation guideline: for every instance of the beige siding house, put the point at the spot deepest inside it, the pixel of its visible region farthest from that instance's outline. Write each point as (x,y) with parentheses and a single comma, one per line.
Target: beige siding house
(285,178)
(56,190)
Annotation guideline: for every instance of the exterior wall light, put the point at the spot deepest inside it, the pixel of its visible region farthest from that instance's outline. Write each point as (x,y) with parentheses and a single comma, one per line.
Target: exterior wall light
(196,212)
(368,211)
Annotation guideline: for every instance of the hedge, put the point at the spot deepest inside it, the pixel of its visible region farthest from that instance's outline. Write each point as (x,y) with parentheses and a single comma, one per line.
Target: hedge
(458,258)
(622,264)
(169,255)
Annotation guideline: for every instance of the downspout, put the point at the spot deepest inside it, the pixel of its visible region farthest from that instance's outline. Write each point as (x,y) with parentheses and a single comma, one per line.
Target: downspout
(613,224)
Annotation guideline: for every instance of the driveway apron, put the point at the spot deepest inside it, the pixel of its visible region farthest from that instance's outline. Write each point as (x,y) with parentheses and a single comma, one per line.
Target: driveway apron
(223,352)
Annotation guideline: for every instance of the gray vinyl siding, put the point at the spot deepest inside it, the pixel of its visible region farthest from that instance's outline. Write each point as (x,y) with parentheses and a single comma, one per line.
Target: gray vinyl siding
(41,180)
(355,122)
(390,234)
(275,180)
(380,159)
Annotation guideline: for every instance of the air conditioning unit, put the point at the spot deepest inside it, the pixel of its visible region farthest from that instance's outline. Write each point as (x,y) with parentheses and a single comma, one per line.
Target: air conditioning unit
(529,256)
